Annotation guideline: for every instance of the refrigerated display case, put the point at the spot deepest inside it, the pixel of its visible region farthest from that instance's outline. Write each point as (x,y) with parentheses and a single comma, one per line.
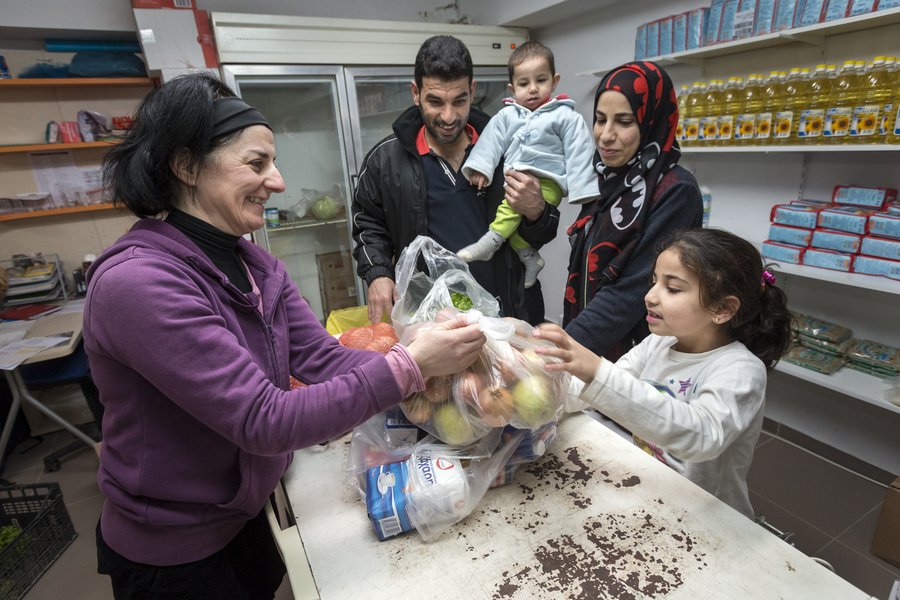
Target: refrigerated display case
(325,119)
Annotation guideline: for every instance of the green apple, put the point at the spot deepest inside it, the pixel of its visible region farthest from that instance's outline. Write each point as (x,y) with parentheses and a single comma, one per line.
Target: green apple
(451,426)
(532,400)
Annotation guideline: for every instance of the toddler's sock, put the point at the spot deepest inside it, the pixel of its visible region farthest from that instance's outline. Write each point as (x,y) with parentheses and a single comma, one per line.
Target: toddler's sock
(533,264)
(484,248)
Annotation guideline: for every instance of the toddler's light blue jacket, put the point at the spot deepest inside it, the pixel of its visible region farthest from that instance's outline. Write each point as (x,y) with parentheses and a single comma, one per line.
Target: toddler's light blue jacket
(552,142)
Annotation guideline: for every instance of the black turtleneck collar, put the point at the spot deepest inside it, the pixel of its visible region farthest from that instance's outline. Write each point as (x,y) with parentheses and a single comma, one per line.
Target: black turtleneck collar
(219,247)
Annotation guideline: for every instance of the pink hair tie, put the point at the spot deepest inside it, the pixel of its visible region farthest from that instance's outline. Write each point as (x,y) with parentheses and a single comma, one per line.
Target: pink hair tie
(768,278)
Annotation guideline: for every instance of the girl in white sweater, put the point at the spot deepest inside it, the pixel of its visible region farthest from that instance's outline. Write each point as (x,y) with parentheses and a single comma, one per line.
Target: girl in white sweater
(693,392)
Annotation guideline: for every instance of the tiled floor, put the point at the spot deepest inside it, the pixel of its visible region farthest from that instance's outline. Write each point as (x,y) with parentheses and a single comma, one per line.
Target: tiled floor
(830,510)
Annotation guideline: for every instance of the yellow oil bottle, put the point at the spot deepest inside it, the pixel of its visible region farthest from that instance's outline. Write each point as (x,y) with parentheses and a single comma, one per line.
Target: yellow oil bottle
(792,98)
(751,104)
(873,97)
(731,106)
(682,112)
(812,114)
(891,123)
(889,114)
(696,103)
(709,122)
(765,121)
(839,114)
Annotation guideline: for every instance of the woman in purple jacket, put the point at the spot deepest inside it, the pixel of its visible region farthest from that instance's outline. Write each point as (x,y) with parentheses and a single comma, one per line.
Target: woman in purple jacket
(192,334)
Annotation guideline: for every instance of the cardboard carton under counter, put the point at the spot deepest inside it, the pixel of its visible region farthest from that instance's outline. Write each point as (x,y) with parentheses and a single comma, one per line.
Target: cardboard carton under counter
(886,543)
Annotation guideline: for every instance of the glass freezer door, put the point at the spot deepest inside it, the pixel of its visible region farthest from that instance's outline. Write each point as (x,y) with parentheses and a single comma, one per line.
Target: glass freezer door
(307,226)
(380,94)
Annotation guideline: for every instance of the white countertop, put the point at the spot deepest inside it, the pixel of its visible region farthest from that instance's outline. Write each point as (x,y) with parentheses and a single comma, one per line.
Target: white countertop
(595,518)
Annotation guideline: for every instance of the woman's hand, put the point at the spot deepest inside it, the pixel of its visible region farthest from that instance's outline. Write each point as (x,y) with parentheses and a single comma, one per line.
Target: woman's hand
(447,348)
(523,194)
(576,359)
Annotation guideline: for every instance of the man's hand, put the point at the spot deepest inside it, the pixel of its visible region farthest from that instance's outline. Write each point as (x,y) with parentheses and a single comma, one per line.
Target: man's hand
(447,348)
(523,194)
(382,295)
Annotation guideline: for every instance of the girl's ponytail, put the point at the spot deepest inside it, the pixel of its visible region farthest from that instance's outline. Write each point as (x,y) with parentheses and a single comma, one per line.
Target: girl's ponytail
(767,334)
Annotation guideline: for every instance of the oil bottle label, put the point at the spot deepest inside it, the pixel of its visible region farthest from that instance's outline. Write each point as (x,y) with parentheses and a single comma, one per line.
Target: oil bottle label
(886,117)
(837,121)
(897,122)
(743,128)
(725,128)
(679,130)
(783,121)
(763,126)
(708,128)
(691,129)
(865,120)
(811,123)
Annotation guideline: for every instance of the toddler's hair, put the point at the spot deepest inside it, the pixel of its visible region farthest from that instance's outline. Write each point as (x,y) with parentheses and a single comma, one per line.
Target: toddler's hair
(528,50)
(728,265)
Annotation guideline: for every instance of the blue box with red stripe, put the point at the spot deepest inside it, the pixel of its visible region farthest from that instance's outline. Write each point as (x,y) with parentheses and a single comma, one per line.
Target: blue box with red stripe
(387,493)
(828,259)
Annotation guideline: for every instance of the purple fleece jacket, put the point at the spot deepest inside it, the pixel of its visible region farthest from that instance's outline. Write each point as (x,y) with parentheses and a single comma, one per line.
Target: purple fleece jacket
(199,424)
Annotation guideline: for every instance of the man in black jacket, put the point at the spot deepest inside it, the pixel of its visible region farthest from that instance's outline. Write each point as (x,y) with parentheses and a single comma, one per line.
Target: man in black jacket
(411,184)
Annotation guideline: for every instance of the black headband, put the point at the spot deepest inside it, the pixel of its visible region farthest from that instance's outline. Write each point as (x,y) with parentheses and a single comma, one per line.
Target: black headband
(231,114)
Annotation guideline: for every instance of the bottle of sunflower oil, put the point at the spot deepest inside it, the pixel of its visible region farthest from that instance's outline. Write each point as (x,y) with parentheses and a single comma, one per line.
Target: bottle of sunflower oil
(682,112)
(765,120)
(892,123)
(731,106)
(709,122)
(866,125)
(788,116)
(751,104)
(696,106)
(839,114)
(892,84)
(812,114)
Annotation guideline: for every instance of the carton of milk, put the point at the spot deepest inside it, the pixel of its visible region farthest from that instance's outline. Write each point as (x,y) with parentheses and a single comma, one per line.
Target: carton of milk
(422,491)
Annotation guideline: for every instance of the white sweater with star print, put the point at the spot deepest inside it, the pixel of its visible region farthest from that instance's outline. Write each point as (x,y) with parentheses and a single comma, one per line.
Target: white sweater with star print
(699,413)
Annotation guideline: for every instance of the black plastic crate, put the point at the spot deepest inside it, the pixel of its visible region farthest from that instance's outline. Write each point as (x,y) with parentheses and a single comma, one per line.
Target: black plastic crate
(46,531)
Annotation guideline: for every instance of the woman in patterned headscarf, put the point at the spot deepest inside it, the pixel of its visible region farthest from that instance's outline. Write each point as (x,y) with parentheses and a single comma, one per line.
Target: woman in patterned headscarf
(644,195)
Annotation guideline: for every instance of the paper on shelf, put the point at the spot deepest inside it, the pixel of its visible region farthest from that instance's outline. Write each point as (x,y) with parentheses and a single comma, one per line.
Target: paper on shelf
(56,174)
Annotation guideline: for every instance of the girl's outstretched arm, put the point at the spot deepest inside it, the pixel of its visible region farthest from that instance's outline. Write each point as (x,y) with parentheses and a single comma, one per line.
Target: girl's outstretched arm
(576,359)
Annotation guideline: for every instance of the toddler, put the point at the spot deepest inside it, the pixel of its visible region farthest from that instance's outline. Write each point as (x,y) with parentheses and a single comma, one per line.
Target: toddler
(537,134)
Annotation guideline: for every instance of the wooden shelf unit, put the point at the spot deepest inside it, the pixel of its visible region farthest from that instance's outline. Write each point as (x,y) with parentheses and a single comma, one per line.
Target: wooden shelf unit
(55,147)
(50,212)
(77,81)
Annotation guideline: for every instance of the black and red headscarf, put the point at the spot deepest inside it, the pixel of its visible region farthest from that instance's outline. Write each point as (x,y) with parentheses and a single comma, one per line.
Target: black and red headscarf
(609,228)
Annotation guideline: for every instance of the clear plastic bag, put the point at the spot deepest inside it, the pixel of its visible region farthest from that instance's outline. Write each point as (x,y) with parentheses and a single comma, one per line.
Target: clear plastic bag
(507,385)
(432,489)
(389,437)
(428,277)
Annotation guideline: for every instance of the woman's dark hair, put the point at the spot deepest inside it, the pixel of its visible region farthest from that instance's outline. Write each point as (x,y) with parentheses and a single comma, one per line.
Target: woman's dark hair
(443,57)
(173,119)
(728,265)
